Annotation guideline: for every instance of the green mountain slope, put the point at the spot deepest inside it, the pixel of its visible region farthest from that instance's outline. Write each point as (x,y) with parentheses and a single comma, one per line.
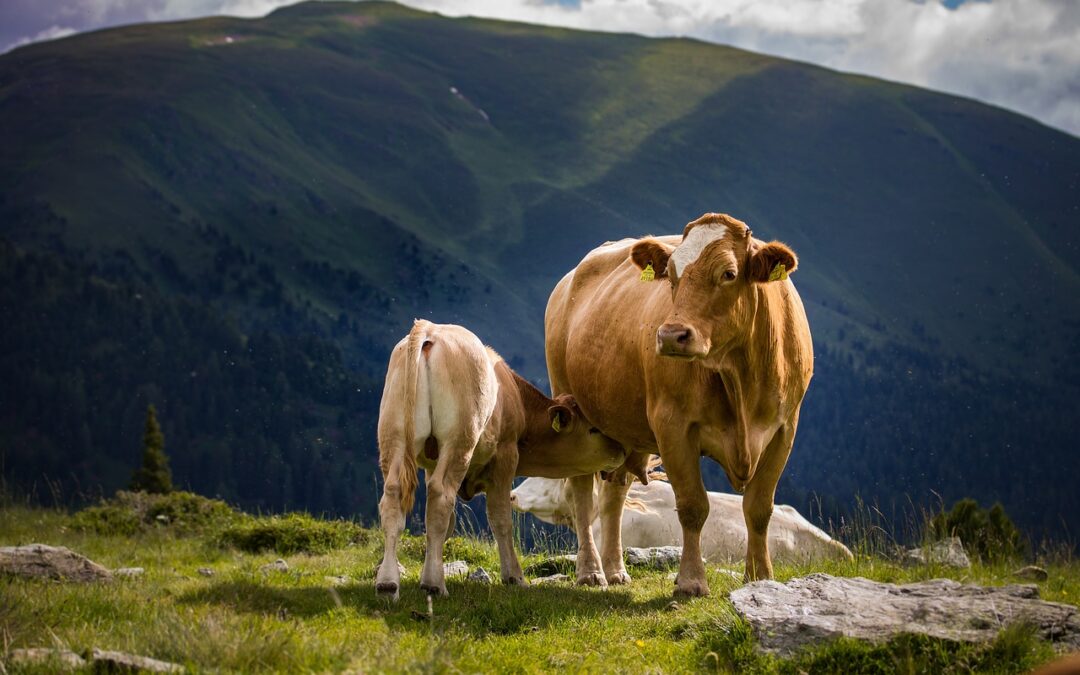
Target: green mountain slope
(336,169)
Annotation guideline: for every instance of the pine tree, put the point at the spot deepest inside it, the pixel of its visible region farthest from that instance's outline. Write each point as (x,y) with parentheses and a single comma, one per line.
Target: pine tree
(154,475)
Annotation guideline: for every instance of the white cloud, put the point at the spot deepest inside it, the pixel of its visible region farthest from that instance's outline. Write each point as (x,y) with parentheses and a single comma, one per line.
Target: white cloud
(1020,54)
(50,33)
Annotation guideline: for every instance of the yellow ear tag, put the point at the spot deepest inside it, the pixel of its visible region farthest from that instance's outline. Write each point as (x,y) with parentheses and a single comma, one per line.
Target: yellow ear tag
(555,424)
(779,273)
(647,274)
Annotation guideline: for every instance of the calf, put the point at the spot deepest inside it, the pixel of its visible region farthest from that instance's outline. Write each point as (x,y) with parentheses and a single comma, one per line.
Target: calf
(452,406)
(649,519)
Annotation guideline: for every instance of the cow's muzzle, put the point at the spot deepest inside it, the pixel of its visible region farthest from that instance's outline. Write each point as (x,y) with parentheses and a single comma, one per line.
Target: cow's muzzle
(679,341)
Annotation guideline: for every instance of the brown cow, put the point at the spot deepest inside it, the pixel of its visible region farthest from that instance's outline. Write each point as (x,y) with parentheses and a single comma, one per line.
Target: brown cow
(452,406)
(714,362)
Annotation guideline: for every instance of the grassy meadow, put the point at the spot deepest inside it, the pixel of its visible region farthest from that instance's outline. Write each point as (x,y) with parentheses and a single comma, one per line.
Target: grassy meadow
(322,615)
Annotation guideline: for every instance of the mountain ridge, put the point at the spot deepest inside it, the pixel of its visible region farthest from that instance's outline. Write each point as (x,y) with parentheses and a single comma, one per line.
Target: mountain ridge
(338,169)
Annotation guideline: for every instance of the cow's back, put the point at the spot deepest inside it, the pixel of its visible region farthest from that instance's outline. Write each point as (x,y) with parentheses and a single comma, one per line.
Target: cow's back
(600,323)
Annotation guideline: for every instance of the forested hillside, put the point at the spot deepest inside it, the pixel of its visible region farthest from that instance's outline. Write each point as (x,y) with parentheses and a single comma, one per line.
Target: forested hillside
(236,220)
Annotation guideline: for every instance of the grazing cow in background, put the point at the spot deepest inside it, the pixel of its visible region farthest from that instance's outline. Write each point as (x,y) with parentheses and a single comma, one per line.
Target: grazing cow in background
(452,406)
(649,519)
(686,346)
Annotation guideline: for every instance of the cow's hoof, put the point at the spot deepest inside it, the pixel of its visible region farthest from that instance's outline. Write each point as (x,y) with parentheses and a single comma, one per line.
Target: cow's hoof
(691,589)
(388,589)
(619,579)
(515,581)
(594,579)
(431,589)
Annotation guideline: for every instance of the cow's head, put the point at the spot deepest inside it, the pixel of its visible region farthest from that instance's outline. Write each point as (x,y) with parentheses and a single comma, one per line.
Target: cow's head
(713,273)
(546,498)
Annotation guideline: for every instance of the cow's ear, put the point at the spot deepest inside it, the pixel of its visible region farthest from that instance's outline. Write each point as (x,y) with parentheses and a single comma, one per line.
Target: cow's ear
(651,252)
(771,262)
(562,413)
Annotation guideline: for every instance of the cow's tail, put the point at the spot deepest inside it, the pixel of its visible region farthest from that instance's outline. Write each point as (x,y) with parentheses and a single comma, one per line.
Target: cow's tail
(407,468)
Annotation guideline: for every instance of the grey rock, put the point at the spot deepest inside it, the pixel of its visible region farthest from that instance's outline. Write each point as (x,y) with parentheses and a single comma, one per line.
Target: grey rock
(480,575)
(559,564)
(552,579)
(949,552)
(45,656)
(659,557)
(205,571)
(787,617)
(457,568)
(1031,573)
(50,562)
(121,662)
(339,580)
(737,576)
(129,572)
(278,565)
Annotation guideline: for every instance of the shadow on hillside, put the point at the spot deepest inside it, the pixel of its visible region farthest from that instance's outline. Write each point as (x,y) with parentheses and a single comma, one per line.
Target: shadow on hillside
(473,608)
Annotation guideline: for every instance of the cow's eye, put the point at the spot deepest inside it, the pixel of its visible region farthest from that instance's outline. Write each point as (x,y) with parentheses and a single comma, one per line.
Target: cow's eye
(728,275)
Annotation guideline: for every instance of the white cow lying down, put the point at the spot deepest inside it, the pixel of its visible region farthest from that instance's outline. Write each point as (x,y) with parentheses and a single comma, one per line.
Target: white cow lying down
(650,520)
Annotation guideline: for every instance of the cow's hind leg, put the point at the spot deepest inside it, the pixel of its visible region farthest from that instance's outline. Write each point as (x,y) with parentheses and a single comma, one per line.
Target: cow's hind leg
(442,487)
(499,513)
(392,517)
(612,502)
(589,570)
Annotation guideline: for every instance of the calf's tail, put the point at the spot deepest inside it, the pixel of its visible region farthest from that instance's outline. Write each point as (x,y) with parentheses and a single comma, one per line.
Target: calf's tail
(407,469)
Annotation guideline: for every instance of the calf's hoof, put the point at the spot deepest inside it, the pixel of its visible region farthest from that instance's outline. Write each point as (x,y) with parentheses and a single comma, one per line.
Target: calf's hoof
(592,579)
(691,589)
(515,581)
(619,579)
(431,589)
(388,589)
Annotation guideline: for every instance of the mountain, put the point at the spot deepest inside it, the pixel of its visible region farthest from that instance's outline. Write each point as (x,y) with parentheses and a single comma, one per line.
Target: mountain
(266,204)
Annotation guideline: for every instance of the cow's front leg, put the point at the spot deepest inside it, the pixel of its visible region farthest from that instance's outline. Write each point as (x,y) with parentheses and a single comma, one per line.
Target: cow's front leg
(442,488)
(758,503)
(499,513)
(589,570)
(612,502)
(692,505)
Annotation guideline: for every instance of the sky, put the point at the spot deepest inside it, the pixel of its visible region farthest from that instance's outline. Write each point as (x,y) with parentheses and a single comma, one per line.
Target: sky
(1020,54)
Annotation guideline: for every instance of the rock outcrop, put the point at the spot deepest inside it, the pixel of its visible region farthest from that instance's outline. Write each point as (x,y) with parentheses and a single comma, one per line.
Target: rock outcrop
(38,561)
(787,617)
(949,552)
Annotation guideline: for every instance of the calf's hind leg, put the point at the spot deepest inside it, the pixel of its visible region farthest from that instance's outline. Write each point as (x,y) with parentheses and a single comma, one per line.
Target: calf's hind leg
(392,517)
(442,487)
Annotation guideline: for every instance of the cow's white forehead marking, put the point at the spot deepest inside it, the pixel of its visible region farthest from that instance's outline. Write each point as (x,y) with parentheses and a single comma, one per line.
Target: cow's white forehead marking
(695,242)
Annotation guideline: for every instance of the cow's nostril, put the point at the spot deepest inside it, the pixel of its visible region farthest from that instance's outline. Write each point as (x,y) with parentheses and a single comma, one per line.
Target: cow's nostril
(682,337)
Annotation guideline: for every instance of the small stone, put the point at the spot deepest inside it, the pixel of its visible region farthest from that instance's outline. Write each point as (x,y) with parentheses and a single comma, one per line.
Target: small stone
(50,562)
(558,564)
(44,656)
(339,580)
(278,565)
(400,569)
(672,606)
(949,552)
(480,575)
(737,576)
(673,577)
(129,572)
(1031,573)
(205,571)
(659,557)
(162,518)
(457,568)
(553,579)
(121,662)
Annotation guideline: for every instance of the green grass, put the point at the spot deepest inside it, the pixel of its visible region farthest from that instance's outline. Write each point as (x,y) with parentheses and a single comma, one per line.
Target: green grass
(243,619)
